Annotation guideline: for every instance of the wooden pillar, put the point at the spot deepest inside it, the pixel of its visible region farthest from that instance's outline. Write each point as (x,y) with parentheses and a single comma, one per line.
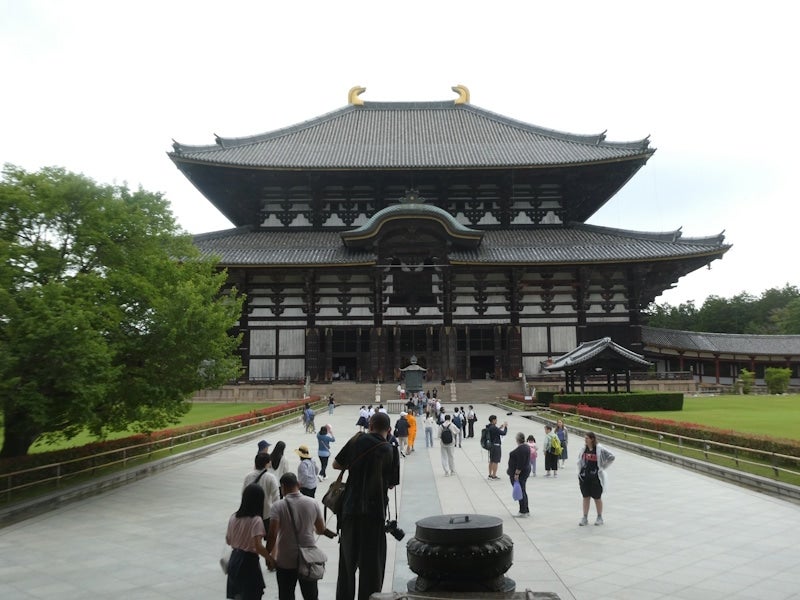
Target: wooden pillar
(377,353)
(498,353)
(328,354)
(716,367)
(396,353)
(313,358)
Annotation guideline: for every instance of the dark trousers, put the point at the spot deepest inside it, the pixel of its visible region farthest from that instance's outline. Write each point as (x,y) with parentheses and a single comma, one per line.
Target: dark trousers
(550,462)
(362,547)
(310,492)
(471,425)
(287,580)
(323,461)
(523,504)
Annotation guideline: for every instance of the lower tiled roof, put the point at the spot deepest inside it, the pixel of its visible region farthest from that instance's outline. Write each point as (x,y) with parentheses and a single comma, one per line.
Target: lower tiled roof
(576,244)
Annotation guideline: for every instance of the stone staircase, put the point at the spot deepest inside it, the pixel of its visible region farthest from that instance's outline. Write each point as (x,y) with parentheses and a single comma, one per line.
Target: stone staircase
(462,393)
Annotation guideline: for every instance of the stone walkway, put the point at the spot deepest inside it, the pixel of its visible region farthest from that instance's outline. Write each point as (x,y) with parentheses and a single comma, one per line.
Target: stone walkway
(668,533)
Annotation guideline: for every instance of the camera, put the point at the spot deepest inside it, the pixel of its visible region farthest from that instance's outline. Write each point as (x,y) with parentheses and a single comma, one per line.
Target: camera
(392,528)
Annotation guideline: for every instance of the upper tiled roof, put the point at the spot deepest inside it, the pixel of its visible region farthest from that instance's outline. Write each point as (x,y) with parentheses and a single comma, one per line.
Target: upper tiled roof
(722,343)
(411,135)
(576,244)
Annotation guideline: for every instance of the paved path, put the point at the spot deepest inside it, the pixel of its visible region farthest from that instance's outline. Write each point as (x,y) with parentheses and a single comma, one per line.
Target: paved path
(669,532)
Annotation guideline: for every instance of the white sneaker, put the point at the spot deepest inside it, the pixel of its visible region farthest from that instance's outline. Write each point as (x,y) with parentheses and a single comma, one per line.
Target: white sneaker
(584,521)
(599,520)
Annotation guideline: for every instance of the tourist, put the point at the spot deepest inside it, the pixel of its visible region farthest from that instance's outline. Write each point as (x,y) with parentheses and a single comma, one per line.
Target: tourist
(412,431)
(447,437)
(263,447)
(293,523)
(324,440)
(519,468)
(331,403)
(307,472)
(374,468)
(457,419)
(430,423)
(534,454)
(592,464)
(266,480)
(463,424)
(278,463)
(401,432)
(308,418)
(550,457)
(472,416)
(363,419)
(495,439)
(245,536)
(563,436)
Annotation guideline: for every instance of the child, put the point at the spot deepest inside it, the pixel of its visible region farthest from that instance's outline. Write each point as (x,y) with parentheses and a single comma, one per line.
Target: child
(534,454)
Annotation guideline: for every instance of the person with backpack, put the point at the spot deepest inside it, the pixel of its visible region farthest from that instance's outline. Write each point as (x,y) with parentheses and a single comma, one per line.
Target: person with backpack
(493,440)
(457,422)
(563,437)
(552,451)
(447,437)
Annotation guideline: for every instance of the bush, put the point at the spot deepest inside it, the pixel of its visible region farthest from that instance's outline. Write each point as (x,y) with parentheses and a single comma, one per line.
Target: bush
(777,379)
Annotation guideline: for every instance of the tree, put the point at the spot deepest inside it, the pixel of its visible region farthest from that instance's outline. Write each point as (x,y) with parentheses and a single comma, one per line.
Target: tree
(109,318)
(777,379)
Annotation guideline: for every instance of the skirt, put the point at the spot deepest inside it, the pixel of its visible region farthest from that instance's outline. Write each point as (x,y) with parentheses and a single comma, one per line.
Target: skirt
(244,575)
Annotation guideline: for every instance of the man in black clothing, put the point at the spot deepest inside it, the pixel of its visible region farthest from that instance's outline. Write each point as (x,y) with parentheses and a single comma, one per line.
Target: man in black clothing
(374,466)
(495,452)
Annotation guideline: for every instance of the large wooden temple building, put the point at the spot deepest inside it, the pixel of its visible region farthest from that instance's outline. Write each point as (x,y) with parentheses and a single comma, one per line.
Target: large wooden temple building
(386,230)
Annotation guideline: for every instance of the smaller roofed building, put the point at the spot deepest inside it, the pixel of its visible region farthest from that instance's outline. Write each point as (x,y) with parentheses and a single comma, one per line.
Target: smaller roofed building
(597,358)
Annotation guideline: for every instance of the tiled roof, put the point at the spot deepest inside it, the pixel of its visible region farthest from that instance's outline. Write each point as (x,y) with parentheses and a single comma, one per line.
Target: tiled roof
(589,352)
(722,343)
(411,135)
(576,244)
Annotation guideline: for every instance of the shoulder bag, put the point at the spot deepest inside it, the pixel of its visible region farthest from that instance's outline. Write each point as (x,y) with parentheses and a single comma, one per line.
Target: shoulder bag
(310,559)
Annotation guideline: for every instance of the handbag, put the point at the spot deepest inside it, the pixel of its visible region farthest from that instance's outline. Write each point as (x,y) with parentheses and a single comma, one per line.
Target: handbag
(310,559)
(334,497)
(516,491)
(225,558)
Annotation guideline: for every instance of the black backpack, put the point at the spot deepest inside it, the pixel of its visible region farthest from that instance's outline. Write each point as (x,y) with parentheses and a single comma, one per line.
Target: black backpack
(486,442)
(447,435)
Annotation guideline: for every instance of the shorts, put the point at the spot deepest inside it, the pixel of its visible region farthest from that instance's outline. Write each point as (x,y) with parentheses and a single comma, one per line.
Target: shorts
(591,488)
(495,454)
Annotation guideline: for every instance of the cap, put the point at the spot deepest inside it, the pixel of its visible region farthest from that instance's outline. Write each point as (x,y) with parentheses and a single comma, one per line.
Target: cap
(263,445)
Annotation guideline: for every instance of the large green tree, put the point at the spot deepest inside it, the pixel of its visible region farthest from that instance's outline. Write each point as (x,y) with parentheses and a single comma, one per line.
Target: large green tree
(109,318)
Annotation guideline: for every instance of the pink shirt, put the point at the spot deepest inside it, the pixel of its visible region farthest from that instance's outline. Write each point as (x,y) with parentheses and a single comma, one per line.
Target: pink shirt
(242,531)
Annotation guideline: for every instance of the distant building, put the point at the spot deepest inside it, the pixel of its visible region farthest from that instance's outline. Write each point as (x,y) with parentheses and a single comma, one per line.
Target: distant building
(383,230)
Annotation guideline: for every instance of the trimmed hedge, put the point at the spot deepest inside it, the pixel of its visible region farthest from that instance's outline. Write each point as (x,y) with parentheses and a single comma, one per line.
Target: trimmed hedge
(154,441)
(626,402)
(694,430)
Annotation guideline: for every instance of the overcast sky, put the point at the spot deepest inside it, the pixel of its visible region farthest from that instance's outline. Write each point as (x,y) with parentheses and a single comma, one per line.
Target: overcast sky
(103,87)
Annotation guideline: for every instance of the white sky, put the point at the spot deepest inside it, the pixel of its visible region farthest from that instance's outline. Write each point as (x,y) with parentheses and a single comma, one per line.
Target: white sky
(102,88)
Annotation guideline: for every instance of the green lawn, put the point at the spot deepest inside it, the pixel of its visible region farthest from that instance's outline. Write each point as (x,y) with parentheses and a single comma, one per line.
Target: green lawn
(199,413)
(775,416)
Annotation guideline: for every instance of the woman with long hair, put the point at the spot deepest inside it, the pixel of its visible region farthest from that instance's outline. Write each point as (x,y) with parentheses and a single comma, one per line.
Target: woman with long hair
(592,464)
(278,464)
(245,536)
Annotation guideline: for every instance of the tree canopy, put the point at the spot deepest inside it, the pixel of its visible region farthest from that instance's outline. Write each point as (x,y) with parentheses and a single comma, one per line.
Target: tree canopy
(776,311)
(109,318)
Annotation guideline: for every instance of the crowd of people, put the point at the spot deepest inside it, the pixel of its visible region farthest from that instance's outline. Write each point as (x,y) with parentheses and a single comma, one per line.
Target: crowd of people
(279,513)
